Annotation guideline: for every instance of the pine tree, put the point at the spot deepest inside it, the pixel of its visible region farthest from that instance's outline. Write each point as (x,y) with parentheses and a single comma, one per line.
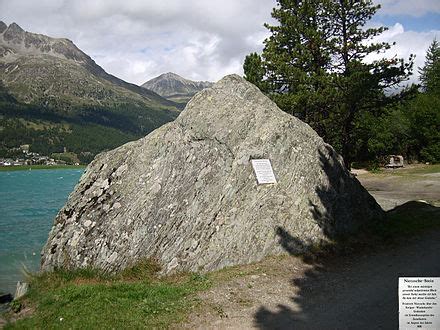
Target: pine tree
(360,85)
(424,111)
(254,70)
(296,58)
(430,73)
(315,66)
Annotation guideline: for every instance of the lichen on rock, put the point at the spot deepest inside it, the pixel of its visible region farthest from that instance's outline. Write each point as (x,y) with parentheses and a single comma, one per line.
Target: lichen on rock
(186,194)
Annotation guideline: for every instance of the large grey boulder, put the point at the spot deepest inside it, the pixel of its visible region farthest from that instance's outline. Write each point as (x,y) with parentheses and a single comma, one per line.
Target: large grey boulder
(186,194)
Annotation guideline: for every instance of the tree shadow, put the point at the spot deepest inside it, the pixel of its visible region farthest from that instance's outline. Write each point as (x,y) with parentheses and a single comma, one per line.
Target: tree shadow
(355,287)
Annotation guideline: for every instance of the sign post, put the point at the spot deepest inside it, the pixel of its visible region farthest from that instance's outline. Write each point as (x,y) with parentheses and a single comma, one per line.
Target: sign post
(263,171)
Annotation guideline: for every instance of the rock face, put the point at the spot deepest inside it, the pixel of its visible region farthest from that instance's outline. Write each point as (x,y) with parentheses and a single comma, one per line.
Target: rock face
(186,194)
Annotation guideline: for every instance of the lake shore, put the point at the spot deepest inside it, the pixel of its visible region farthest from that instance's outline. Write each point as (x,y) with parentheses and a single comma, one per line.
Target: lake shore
(39,167)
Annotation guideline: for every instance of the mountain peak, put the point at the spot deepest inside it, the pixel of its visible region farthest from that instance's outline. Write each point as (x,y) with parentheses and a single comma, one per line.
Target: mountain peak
(172,85)
(15,27)
(21,42)
(170,74)
(3,26)
(14,33)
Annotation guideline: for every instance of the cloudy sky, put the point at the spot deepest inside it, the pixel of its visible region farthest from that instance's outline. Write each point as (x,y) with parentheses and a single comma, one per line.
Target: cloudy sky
(137,40)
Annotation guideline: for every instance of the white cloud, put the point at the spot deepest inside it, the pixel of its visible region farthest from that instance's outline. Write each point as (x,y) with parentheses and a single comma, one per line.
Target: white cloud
(137,39)
(415,8)
(202,40)
(407,43)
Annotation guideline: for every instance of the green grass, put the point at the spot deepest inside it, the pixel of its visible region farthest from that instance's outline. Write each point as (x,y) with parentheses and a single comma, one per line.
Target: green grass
(38,167)
(419,169)
(423,169)
(88,299)
(68,157)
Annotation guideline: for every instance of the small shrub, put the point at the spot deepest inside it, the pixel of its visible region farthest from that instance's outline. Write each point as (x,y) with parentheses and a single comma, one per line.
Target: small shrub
(145,269)
(373,167)
(15,306)
(196,277)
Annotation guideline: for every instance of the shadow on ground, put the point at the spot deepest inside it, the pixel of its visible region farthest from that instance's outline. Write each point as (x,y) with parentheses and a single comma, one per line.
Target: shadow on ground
(354,288)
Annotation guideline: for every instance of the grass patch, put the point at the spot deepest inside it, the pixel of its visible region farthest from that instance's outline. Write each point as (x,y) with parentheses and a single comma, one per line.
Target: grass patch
(143,270)
(41,125)
(412,170)
(68,157)
(39,167)
(421,169)
(88,298)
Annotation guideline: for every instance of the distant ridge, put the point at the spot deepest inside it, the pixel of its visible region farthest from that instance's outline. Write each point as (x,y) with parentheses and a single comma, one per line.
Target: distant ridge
(174,87)
(16,42)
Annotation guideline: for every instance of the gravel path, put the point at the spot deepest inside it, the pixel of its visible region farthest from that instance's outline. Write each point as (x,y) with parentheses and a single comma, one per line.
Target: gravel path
(358,291)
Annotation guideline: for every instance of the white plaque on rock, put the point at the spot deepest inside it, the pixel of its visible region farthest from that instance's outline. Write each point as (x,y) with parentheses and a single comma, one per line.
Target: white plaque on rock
(419,303)
(263,171)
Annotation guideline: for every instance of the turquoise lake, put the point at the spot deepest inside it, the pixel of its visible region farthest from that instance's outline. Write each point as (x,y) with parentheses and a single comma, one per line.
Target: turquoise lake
(29,202)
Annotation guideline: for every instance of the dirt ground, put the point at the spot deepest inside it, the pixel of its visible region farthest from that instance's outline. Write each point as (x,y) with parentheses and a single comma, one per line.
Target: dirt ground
(353,291)
(391,187)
